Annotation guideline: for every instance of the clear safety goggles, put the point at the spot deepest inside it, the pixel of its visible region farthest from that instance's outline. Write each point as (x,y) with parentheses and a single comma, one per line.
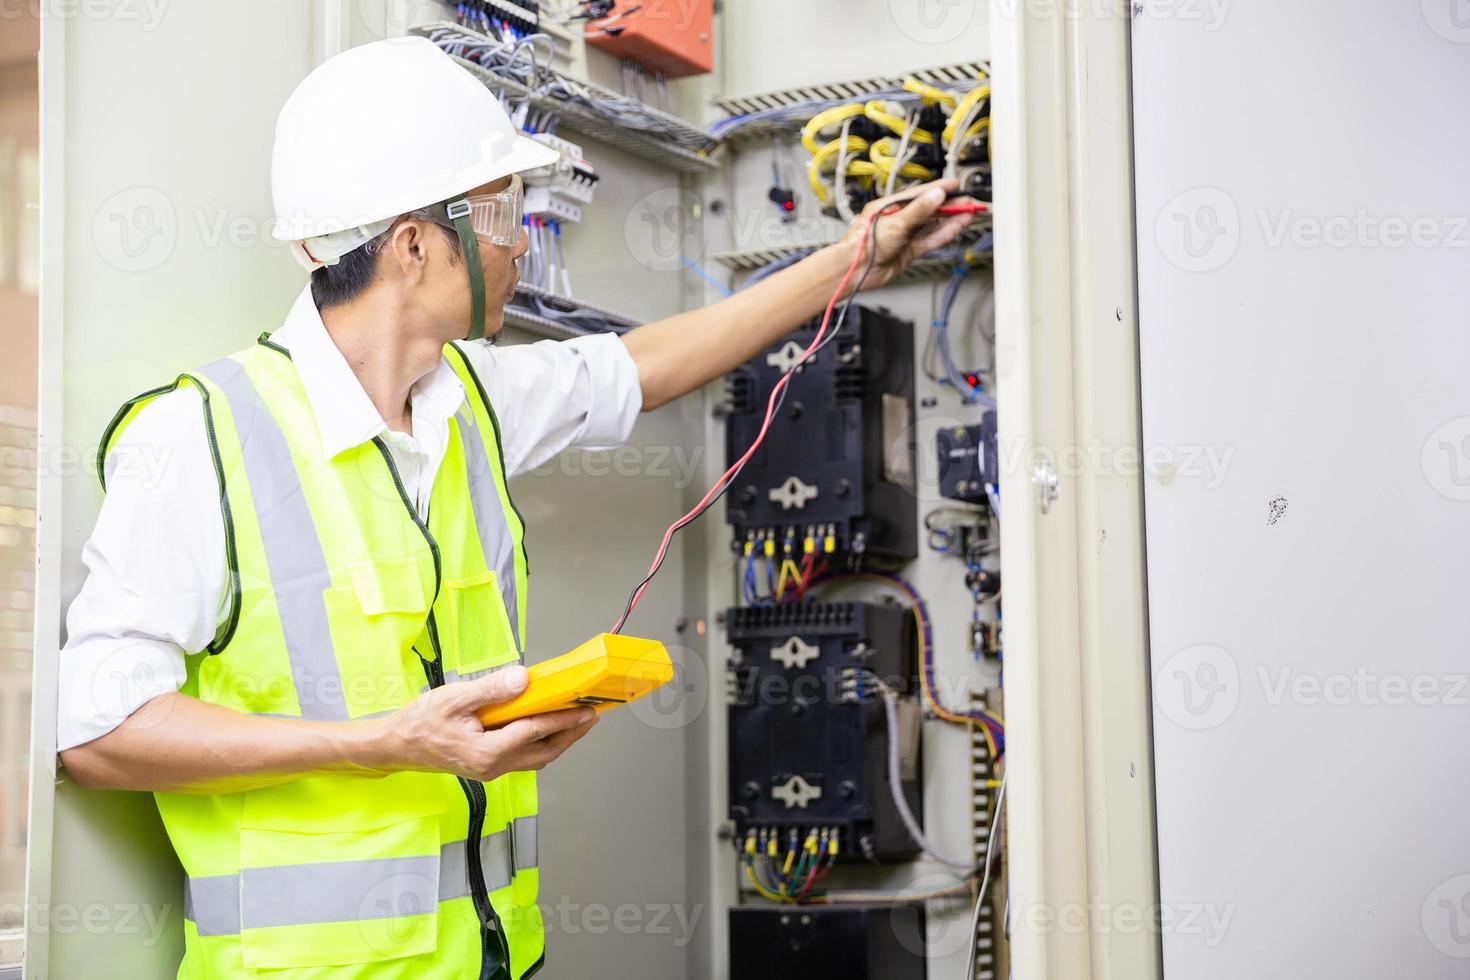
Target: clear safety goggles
(495,217)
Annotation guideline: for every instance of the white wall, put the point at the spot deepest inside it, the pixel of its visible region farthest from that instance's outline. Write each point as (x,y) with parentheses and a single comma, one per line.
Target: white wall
(1328,826)
(776,44)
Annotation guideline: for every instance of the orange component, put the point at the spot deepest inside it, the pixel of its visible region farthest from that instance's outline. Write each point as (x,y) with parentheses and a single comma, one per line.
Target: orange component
(671,36)
(606,671)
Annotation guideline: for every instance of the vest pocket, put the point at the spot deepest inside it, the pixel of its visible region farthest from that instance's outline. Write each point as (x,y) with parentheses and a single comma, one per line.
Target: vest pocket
(365,896)
(374,620)
(475,625)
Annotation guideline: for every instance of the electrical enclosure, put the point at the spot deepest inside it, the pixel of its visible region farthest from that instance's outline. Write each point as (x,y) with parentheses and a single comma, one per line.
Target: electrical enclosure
(845,456)
(807,744)
(673,39)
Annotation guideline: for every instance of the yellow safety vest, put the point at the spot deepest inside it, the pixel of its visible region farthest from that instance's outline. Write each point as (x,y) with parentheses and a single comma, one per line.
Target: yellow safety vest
(345,606)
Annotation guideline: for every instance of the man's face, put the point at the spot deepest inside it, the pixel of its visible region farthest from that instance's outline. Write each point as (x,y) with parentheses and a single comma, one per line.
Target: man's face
(447,289)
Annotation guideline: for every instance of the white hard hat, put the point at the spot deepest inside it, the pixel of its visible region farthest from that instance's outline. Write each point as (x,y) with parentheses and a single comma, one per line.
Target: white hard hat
(380,130)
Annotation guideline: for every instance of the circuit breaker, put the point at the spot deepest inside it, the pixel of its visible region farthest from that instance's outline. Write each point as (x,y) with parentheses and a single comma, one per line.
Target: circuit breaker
(840,462)
(807,736)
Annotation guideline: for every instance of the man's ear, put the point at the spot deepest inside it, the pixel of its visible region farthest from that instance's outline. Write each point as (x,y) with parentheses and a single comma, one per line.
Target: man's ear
(408,246)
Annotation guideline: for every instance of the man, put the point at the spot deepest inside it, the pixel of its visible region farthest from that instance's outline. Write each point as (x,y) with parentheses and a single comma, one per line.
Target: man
(285,637)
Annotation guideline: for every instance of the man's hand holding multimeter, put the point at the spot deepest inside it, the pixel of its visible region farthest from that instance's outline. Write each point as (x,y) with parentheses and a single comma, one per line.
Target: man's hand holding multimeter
(517,719)
(440,732)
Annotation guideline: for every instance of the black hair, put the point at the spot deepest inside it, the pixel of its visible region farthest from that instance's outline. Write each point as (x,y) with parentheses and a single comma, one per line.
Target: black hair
(333,285)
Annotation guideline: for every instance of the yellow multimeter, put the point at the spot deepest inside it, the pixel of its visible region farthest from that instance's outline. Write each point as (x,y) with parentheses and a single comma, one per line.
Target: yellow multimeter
(606,671)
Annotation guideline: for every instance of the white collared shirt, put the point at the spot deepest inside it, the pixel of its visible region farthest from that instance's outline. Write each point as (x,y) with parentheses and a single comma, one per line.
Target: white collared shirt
(157,575)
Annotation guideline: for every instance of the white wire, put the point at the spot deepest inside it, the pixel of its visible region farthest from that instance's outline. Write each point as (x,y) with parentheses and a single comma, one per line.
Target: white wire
(958,144)
(901,156)
(1000,798)
(839,180)
(890,709)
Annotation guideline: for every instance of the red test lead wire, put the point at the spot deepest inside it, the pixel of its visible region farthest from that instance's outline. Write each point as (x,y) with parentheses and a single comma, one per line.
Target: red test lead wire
(760,436)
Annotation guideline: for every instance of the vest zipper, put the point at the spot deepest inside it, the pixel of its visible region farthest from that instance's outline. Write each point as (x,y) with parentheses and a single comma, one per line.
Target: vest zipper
(474,790)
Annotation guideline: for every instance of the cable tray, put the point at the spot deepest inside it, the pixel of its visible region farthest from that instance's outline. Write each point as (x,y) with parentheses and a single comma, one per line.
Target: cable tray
(586,123)
(522,312)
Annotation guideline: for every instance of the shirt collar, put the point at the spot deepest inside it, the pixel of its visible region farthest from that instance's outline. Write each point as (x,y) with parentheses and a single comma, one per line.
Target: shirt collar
(345,416)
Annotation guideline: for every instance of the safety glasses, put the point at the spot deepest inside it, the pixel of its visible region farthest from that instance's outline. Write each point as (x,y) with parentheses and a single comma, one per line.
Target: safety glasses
(495,217)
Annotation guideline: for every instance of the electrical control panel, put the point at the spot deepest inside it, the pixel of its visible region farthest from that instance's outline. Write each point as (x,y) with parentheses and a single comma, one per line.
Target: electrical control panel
(807,737)
(968,460)
(673,39)
(854,942)
(841,472)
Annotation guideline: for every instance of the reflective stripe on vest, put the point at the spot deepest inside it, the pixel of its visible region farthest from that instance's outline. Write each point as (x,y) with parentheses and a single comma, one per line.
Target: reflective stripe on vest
(499,547)
(336,891)
(293,551)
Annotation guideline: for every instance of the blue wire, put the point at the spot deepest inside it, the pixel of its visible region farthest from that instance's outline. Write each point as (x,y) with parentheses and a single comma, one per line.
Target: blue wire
(970,393)
(700,271)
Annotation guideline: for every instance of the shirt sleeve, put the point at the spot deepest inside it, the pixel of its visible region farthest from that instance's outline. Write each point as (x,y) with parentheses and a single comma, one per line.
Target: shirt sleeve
(157,575)
(551,395)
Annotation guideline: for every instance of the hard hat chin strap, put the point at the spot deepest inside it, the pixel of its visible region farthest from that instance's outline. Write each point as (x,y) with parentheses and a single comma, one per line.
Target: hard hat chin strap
(469,250)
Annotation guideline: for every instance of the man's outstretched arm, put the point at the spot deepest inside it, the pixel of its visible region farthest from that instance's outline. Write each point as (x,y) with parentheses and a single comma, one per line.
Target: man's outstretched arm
(677,354)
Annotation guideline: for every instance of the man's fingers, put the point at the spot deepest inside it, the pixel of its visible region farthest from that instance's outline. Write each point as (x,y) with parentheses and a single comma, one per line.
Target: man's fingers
(918,203)
(920,210)
(500,685)
(944,232)
(547,750)
(525,731)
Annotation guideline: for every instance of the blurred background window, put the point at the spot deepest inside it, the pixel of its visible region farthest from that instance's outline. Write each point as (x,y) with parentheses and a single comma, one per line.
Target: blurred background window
(20,197)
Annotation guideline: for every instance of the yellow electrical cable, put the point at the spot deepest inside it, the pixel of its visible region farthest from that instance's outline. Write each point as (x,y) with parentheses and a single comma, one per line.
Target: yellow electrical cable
(961,110)
(882,153)
(857,168)
(975,130)
(814,178)
(855,144)
(930,94)
(750,873)
(877,111)
(825,118)
(794,574)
